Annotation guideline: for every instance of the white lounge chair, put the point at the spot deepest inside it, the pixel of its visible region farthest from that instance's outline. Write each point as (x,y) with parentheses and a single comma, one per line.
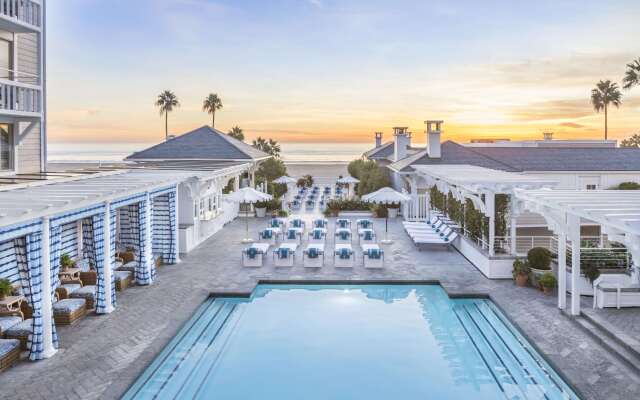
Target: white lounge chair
(432,233)
(313,256)
(297,223)
(343,235)
(284,255)
(367,236)
(446,240)
(318,235)
(364,223)
(343,223)
(269,235)
(293,235)
(253,256)
(343,256)
(372,256)
(320,223)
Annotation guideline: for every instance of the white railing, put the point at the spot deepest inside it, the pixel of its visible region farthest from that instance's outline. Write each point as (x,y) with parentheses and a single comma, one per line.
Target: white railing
(416,210)
(19,76)
(19,97)
(26,11)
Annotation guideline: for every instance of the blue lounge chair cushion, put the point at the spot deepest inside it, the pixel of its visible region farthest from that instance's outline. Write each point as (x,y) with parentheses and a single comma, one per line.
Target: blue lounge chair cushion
(365,224)
(252,252)
(344,235)
(297,223)
(318,223)
(23,328)
(266,234)
(275,223)
(291,234)
(344,254)
(283,252)
(84,292)
(7,346)
(317,234)
(343,223)
(368,235)
(8,322)
(374,254)
(313,253)
(67,306)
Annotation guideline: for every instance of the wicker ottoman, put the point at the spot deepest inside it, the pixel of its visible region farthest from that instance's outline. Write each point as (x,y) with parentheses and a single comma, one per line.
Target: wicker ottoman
(86,292)
(21,332)
(124,279)
(68,311)
(65,290)
(9,353)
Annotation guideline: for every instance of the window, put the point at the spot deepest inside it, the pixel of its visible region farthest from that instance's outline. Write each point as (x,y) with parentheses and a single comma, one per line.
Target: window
(592,186)
(6,147)
(6,59)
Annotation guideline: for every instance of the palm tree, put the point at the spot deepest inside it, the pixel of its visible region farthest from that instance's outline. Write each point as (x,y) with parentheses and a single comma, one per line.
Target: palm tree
(211,104)
(270,146)
(167,100)
(236,133)
(605,93)
(632,76)
(274,148)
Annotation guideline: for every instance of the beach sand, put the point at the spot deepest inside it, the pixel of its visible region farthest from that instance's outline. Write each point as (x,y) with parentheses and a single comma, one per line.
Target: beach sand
(322,172)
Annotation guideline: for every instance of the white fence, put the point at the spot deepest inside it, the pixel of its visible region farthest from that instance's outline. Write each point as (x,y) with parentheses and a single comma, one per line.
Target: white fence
(19,97)
(417,210)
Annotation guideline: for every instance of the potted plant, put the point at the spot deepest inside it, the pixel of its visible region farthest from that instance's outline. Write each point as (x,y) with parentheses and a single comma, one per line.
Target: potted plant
(5,288)
(520,272)
(591,272)
(548,282)
(261,208)
(392,210)
(539,259)
(65,262)
(283,213)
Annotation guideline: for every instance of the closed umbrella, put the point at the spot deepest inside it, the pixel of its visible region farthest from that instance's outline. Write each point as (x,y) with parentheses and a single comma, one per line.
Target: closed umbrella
(286,180)
(248,195)
(386,195)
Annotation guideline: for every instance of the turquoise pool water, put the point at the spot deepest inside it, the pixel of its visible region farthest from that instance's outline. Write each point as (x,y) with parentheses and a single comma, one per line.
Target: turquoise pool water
(349,342)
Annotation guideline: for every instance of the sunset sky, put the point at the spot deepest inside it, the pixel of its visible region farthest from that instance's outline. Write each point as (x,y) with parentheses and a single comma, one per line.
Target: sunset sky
(331,70)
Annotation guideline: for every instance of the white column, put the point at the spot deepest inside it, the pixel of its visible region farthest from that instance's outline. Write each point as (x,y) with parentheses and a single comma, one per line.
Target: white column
(177,225)
(148,243)
(236,183)
(490,199)
(79,238)
(573,224)
(47,301)
(562,270)
(108,268)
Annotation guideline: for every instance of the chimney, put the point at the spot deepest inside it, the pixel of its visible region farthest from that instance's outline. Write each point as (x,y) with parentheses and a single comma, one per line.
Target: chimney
(401,141)
(378,139)
(434,129)
(547,135)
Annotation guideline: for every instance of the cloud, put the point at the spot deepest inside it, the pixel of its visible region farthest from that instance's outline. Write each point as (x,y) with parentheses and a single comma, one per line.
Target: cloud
(552,110)
(316,3)
(571,125)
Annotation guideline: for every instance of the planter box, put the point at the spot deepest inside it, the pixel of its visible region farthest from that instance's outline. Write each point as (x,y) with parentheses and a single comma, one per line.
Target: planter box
(537,273)
(393,212)
(585,288)
(358,214)
(261,212)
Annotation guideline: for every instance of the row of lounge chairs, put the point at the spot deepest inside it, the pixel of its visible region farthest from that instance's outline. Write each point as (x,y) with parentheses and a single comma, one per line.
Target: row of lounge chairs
(314,255)
(437,231)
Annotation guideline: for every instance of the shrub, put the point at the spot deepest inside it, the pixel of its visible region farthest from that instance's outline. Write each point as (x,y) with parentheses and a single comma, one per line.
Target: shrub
(628,186)
(66,261)
(5,287)
(261,204)
(283,213)
(591,272)
(520,267)
(539,258)
(547,280)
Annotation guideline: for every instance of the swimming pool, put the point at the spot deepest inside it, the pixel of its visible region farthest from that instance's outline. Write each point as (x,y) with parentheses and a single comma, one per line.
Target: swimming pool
(349,342)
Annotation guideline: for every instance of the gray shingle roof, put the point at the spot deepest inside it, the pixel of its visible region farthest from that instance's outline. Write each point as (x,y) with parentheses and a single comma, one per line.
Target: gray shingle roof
(519,159)
(204,143)
(380,153)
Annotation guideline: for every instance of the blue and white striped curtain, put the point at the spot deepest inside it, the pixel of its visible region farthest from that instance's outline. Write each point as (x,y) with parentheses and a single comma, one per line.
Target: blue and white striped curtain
(143,277)
(88,250)
(28,255)
(55,246)
(97,234)
(129,228)
(112,235)
(163,227)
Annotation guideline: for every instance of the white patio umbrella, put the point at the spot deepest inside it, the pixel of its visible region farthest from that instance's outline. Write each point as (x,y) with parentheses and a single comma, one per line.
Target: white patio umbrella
(286,180)
(386,195)
(348,180)
(248,195)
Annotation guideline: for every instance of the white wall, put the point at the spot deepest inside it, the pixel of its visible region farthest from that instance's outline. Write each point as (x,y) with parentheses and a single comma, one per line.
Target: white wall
(578,180)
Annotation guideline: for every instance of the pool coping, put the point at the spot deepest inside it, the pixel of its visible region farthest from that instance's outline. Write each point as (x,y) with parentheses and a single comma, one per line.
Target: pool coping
(452,295)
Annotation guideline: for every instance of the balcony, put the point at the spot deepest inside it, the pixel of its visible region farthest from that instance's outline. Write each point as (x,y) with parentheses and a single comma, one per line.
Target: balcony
(20,99)
(20,16)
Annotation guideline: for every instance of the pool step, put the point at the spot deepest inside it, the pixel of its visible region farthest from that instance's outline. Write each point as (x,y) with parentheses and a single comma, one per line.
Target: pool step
(510,360)
(623,352)
(176,368)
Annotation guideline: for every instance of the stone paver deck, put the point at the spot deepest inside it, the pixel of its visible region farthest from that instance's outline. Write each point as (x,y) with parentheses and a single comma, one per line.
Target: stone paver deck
(101,356)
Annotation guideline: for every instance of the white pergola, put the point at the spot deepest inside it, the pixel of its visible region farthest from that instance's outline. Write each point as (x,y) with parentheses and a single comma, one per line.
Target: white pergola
(465,181)
(616,211)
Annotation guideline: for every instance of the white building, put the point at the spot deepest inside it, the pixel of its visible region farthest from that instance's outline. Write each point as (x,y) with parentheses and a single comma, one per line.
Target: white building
(22,87)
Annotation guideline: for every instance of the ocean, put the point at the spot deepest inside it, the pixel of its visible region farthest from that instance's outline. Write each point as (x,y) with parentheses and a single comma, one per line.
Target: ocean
(292,153)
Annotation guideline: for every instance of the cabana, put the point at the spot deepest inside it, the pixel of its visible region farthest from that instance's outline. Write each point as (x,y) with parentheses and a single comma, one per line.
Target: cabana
(618,214)
(36,226)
